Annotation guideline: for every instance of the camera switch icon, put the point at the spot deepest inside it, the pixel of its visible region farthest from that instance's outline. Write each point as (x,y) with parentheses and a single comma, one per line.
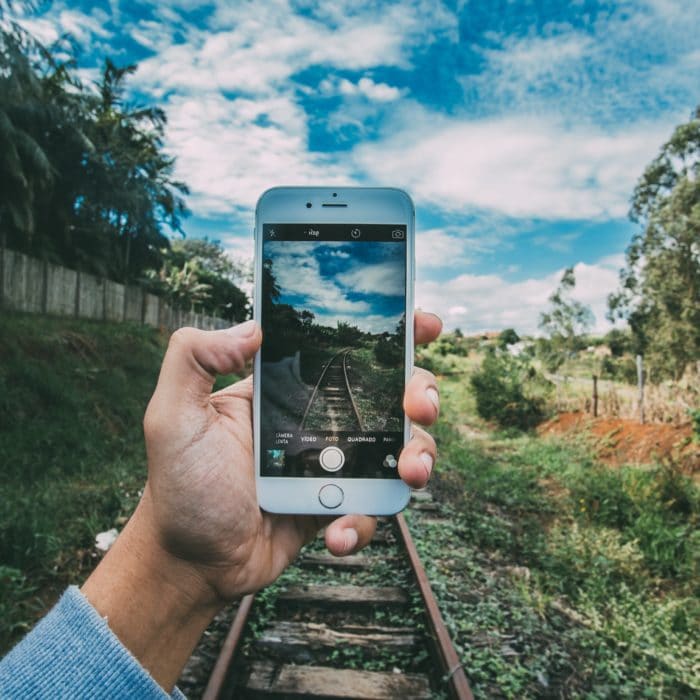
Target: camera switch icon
(390,462)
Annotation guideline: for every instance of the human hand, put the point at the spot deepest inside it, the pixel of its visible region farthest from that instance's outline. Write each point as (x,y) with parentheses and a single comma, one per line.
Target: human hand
(198,538)
(201,480)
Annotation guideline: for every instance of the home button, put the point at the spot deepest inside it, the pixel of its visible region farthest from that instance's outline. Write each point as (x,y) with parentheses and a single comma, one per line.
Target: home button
(331,496)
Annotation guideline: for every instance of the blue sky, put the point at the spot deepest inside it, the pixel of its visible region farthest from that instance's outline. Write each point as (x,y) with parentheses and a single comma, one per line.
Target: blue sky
(360,283)
(519,128)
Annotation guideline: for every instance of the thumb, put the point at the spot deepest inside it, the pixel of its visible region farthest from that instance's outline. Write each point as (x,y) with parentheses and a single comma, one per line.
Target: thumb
(194,358)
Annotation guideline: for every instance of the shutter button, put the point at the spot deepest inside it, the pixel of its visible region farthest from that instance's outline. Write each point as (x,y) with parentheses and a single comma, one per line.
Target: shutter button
(332,459)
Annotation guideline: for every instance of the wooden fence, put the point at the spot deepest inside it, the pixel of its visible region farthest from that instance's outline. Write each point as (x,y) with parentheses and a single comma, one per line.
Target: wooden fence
(36,286)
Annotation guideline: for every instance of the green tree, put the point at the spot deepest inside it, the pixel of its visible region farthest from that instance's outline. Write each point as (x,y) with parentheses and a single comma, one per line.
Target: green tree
(130,193)
(29,119)
(503,388)
(659,291)
(508,337)
(181,285)
(565,324)
(217,271)
(85,180)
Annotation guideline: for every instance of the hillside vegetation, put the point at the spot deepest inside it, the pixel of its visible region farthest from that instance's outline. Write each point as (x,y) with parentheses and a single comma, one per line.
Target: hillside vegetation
(72,397)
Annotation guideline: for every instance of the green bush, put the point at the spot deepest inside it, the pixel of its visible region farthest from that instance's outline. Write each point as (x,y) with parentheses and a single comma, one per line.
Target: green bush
(621,368)
(695,420)
(658,508)
(500,390)
(389,351)
(596,559)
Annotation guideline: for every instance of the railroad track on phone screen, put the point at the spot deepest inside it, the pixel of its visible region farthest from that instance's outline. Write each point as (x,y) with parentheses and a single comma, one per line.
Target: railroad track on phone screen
(366,626)
(332,398)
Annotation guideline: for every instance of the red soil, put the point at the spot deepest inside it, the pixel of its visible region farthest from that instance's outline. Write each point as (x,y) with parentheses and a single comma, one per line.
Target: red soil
(620,441)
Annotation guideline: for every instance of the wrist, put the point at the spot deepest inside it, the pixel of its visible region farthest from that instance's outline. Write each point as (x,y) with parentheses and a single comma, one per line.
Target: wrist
(156,604)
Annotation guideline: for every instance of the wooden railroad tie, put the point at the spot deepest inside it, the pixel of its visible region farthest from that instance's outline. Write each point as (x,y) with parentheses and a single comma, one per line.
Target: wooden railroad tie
(343,596)
(267,680)
(288,638)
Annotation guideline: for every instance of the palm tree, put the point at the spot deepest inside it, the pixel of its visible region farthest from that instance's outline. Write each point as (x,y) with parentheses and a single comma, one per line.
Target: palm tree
(25,169)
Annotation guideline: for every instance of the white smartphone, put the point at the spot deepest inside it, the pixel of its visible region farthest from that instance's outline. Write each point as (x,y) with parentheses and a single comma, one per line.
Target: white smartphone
(334,275)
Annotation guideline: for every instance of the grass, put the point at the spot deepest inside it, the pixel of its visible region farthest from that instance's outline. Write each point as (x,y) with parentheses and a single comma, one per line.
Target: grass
(72,398)
(376,389)
(558,576)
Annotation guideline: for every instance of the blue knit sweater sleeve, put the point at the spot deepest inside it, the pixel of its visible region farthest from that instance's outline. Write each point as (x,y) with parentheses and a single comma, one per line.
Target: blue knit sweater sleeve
(72,653)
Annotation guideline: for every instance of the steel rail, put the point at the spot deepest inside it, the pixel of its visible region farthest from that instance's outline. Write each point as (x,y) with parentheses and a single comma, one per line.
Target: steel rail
(219,674)
(455,676)
(347,385)
(318,384)
(451,665)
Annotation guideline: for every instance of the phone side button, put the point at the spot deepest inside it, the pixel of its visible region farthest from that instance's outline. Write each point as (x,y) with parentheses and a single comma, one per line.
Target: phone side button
(331,496)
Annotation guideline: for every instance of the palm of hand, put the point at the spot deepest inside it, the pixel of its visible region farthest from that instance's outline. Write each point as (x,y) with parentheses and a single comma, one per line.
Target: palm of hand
(219,526)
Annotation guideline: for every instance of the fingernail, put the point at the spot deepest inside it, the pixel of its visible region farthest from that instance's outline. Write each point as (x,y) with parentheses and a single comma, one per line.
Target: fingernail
(350,541)
(427,460)
(434,397)
(244,330)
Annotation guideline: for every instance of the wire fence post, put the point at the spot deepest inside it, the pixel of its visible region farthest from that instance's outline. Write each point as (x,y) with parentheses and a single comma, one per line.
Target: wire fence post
(640,386)
(595,395)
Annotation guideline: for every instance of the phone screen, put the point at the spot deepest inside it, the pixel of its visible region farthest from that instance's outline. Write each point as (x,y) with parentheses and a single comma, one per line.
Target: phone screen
(332,375)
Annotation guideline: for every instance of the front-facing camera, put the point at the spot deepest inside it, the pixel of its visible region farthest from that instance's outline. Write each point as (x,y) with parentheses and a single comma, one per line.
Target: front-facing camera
(308,205)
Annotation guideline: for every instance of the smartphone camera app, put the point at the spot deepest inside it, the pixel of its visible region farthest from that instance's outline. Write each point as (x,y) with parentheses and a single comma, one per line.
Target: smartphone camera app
(333,355)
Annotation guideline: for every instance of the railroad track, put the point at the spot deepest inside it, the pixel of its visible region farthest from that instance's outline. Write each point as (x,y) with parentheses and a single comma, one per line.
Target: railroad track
(365,626)
(332,404)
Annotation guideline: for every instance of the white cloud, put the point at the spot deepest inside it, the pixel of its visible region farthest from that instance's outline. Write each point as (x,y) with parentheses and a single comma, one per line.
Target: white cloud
(628,60)
(369,323)
(255,47)
(459,245)
(489,302)
(385,279)
(81,26)
(366,87)
(230,149)
(228,159)
(517,167)
(525,61)
(299,274)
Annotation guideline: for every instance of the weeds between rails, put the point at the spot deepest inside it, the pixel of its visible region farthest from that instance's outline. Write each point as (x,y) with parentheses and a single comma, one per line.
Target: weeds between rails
(364,626)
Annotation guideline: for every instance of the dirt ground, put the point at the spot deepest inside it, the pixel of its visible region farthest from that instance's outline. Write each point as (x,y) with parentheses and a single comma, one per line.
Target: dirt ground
(621,441)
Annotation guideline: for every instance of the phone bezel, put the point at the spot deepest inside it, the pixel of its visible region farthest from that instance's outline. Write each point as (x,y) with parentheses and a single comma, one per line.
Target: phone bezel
(368,205)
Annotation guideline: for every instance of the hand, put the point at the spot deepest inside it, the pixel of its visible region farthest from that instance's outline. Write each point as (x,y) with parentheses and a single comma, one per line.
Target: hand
(198,523)
(201,477)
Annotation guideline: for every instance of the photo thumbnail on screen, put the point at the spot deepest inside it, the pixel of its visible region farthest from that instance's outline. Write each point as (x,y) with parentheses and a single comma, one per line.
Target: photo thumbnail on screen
(333,355)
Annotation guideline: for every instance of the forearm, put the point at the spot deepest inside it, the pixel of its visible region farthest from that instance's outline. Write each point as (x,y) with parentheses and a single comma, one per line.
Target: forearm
(156,605)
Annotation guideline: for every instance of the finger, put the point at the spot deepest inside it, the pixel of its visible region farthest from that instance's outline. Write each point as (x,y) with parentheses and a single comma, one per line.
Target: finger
(427,327)
(421,402)
(234,401)
(349,534)
(243,389)
(195,357)
(417,459)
